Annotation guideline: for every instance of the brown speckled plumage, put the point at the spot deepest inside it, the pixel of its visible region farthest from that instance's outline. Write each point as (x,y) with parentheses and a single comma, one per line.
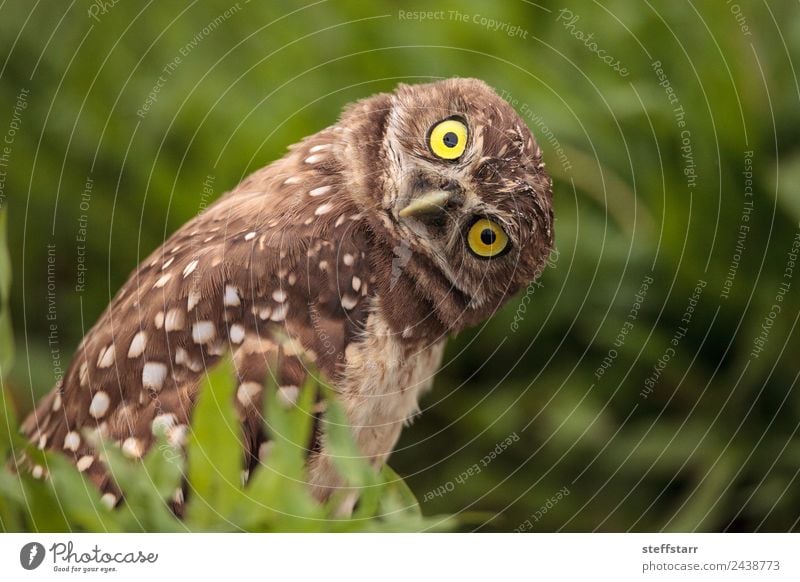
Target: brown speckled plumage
(312,247)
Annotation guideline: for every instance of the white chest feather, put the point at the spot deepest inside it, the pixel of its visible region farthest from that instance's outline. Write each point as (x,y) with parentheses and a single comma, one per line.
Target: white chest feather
(380,390)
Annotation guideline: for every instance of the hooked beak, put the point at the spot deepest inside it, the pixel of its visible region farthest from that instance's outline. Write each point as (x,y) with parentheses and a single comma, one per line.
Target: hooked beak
(428,203)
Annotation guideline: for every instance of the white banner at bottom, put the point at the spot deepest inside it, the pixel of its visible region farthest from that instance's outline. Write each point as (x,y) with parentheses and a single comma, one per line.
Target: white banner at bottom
(400,557)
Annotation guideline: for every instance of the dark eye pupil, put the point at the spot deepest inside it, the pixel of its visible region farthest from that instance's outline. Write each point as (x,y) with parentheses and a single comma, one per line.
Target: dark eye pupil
(450,139)
(488,236)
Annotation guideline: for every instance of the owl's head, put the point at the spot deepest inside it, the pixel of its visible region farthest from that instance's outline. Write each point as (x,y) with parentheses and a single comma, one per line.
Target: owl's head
(456,177)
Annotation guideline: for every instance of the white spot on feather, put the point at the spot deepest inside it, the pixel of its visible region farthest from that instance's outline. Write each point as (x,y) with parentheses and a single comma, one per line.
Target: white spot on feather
(237,333)
(176,436)
(162,280)
(192,299)
(323,209)
(72,441)
(132,447)
(174,320)
(247,392)
(99,405)
(319,191)
(84,463)
(279,295)
(162,423)
(138,343)
(203,332)
(250,235)
(349,302)
(106,357)
(153,375)
(182,359)
(279,313)
(231,298)
(189,269)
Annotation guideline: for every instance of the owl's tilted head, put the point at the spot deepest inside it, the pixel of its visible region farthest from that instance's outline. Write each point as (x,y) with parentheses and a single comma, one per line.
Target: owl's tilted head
(458,182)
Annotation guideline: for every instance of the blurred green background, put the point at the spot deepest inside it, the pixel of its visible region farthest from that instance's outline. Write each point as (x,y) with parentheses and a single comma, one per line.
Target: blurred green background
(646,113)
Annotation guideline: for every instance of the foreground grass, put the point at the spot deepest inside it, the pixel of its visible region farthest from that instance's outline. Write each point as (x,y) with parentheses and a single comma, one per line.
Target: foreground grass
(275,499)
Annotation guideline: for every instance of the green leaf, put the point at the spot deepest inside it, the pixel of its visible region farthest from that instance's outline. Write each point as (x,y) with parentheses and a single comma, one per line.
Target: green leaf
(215,450)
(8,424)
(398,497)
(78,497)
(354,469)
(278,492)
(6,332)
(145,507)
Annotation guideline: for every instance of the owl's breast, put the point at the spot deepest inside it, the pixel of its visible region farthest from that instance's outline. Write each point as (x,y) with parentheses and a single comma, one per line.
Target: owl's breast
(384,377)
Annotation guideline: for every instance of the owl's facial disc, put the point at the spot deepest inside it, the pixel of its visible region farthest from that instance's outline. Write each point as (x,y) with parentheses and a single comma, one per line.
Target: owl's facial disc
(463,185)
(443,211)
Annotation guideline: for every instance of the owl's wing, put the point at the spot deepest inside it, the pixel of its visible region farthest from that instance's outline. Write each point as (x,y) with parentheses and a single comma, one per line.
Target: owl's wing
(241,276)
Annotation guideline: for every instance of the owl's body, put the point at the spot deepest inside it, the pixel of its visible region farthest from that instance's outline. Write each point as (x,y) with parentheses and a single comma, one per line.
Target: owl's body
(314,258)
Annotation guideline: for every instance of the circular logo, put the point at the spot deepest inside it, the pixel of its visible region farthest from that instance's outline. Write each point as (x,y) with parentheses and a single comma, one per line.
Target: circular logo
(31,555)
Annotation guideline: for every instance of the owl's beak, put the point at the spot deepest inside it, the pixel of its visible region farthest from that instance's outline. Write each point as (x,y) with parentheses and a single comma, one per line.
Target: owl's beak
(428,203)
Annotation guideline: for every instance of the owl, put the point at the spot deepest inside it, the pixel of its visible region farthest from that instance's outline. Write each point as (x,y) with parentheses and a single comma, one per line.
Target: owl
(417,215)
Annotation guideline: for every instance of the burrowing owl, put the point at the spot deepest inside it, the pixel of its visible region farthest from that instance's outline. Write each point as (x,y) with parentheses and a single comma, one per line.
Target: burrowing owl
(369,243)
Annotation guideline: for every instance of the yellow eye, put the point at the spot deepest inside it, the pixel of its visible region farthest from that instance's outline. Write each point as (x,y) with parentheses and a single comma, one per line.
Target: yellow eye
(448,139)
(486,238)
